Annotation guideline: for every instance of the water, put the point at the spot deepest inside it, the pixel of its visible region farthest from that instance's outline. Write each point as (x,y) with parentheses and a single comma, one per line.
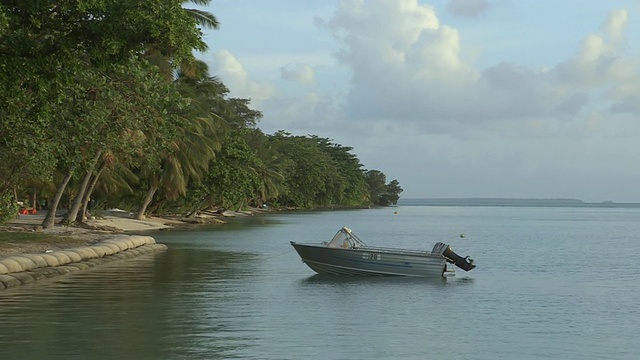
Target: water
(551,283)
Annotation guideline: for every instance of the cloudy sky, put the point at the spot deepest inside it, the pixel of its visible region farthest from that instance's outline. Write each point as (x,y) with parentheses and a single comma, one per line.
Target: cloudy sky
(453,98)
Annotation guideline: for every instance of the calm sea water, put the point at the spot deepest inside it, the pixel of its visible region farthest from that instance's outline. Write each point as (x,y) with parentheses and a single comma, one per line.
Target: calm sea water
(551,283)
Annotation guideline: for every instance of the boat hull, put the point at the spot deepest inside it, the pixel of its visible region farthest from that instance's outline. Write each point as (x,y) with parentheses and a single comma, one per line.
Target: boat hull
(372,261)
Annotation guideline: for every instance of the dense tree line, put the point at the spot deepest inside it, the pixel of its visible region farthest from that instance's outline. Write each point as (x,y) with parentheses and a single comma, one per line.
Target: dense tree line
(103,103)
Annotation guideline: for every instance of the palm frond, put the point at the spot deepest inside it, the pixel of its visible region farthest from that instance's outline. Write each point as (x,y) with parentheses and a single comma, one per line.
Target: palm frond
(204,18)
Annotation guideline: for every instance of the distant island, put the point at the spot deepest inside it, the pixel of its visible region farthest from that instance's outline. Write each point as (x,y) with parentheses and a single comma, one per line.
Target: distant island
(511,202)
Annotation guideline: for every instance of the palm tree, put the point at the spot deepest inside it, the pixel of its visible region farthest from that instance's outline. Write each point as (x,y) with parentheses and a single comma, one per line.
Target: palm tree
(269,171)
(201,139)
(204,18)
(270,180)
(190,65)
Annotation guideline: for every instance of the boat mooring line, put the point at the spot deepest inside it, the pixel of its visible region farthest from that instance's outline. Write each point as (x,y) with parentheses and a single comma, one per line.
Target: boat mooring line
(275,256)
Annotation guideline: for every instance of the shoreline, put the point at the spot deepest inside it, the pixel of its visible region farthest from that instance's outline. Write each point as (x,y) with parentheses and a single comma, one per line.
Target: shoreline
(29,253)
(110,223)
(23,269)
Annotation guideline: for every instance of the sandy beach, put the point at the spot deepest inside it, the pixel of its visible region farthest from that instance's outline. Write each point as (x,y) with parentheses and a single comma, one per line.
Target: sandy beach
(117,219)
(112,222)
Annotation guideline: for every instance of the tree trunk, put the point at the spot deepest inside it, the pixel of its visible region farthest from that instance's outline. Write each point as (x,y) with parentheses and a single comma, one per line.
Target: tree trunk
(34,202)
(87,194)
(77,201)
(195,211)
(147,201)
(50,219)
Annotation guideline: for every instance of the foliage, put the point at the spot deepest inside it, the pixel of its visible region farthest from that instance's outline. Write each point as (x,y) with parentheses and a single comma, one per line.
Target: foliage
(318,172)
(391,194)
(4,22)
(110,92)
(75,84)
(376,182)
(8,208)
(75,67)
(232,178)
(203,18)
(380,193)
(351,186)
(270,170)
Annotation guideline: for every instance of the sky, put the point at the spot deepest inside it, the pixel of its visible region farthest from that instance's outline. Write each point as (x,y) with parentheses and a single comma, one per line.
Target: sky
(452,98)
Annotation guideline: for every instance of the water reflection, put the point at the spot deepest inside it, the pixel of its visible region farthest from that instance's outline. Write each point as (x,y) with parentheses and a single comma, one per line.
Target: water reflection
(371,280)
(140,305)
(237,292)
(320,279)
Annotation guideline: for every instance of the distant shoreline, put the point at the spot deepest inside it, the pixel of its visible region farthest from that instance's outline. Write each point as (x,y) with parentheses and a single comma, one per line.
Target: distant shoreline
(513,202)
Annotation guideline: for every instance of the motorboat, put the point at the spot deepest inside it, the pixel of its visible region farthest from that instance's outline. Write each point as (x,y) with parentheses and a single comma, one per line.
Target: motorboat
(346,254)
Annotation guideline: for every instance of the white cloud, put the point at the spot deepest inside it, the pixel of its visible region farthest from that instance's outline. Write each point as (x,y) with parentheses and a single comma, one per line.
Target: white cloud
(226,66)
(300,113)
(404,61)
(600,68)
(513,129)
(615,26)
(408,66)
(300,73)
(416,106)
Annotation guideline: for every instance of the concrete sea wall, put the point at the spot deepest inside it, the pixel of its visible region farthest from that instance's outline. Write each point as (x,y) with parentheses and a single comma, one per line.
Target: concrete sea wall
(26,268)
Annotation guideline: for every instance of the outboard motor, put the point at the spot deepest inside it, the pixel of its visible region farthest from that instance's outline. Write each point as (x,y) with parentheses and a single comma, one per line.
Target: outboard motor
(464,263)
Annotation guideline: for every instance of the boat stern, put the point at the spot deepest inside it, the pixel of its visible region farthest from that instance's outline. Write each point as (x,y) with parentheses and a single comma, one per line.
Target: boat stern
(464,263)
(448,271)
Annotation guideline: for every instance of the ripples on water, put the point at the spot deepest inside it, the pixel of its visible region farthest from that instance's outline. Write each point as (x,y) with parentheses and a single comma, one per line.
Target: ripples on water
(551,283)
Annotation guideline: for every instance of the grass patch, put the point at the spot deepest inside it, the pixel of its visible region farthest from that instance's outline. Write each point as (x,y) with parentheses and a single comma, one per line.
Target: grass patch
(25,237)
(22,242)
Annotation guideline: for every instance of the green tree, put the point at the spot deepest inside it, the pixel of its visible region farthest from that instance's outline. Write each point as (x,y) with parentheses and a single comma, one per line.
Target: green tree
(73,80)
(391,194)
(269,170)
(234,176)
(312,175)
(4,22)
(380,193)
(376,181)
(201,137)
(8,208)
(202,17)
(350,188)
(107,97)
(232,180)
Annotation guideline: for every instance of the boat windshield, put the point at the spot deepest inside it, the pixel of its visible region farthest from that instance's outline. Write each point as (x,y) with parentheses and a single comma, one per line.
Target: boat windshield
(345,239)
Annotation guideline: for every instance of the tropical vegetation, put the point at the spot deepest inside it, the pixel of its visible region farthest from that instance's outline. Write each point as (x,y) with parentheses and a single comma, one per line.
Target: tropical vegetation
(102,103)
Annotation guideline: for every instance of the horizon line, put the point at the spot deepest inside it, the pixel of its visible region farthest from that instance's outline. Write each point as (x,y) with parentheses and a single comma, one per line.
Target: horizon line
(559,199)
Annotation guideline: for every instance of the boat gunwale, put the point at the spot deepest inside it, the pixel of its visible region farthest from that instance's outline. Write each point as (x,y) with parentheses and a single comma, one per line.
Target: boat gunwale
(384,250)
